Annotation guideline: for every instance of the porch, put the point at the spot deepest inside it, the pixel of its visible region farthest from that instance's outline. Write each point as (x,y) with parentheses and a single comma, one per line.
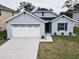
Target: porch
(48,27)
(48,30)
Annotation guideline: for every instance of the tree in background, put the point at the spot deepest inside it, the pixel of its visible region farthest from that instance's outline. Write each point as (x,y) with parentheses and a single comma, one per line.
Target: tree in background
(76,7)
(25,6)
(39,8)
(67,13)
(72,6)
(51,9)
(68,4)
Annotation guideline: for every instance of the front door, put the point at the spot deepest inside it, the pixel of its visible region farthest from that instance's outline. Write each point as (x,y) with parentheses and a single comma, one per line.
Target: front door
(47,27)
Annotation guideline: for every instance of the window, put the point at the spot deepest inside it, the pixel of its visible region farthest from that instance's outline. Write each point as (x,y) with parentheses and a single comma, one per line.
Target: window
(0,11)
(36,25)
(25,25)
(29,25)
(22,25)
(42,13)
(15,25)
(62,26)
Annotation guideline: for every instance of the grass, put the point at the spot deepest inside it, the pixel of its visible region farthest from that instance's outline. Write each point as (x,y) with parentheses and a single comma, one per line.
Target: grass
(2,34)
(63,47)
(69,38)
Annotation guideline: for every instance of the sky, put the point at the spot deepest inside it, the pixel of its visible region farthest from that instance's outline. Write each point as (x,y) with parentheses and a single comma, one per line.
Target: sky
(56,5)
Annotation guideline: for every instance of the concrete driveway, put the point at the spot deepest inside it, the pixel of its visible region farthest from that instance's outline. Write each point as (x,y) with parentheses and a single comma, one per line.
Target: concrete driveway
(20,48)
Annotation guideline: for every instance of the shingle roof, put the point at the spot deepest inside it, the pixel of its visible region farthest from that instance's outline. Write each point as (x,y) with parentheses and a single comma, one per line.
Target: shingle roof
(48,18)
(25,12)
(63,16)
(2,7)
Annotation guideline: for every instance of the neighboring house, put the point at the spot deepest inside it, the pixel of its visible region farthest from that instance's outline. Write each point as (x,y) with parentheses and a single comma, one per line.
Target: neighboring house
(5,13)
(38,24)
(76,18)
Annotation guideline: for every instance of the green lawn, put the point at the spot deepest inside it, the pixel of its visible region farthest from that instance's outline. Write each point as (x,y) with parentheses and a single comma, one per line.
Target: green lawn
(62,48)
(2,34)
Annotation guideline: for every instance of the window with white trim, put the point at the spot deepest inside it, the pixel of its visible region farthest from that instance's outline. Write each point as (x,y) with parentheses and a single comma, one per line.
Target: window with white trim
(62,26)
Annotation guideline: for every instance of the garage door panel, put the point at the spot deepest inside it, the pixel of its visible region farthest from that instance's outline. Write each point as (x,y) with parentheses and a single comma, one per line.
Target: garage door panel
(26,31)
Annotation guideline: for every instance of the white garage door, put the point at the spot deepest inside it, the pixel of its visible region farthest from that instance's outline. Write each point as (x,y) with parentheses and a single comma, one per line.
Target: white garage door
(25,30)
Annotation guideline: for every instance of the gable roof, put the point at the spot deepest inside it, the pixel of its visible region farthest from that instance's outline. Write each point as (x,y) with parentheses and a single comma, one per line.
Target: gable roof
(48,18)
(24,13)
(44,10)
(63,16)
(2,7)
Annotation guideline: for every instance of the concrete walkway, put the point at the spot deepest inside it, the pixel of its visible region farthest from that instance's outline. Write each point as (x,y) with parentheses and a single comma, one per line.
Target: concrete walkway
(20,48)
(48,38)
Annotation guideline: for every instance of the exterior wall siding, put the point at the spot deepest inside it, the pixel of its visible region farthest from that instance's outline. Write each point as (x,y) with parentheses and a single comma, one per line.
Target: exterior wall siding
(62,20)
(4,15)
(24,19)
(76,18)
(46,14)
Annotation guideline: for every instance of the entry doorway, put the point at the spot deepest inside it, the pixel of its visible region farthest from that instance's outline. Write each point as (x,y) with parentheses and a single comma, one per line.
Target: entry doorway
(48,27)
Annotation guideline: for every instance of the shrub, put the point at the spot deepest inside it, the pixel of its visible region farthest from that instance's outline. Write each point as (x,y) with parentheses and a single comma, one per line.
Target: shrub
(62,33)
(70,33)
(55,33)
(42,37)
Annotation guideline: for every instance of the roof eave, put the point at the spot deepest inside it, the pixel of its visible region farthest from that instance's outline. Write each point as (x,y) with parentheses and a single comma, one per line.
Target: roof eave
(21,13)
(64,16)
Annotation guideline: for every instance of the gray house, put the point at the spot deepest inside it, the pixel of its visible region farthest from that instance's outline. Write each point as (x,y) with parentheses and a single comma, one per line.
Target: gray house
(5,13)
(76,18)
(38,24)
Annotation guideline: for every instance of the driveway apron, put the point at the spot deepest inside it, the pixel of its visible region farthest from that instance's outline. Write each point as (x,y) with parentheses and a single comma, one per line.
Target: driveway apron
(20,48)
